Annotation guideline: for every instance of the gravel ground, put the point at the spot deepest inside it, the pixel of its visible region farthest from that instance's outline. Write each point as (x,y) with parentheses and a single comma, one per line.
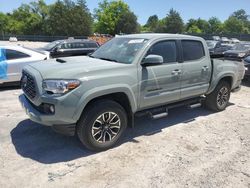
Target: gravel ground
(189,148)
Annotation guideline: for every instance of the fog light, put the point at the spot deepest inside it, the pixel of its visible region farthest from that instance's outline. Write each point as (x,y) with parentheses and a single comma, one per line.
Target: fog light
(52,109)
(48,108)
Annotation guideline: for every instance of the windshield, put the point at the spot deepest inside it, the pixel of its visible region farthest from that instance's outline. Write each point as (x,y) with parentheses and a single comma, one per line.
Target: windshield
(241,47)
(51,45)
(211,44)
(121,50)
(247,59)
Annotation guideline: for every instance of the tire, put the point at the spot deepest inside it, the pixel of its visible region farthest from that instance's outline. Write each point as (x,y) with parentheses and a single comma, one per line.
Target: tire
(218,100)
(102,125)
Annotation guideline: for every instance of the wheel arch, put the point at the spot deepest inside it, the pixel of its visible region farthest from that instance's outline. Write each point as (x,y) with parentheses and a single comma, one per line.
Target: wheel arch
(229,78)
(124,97)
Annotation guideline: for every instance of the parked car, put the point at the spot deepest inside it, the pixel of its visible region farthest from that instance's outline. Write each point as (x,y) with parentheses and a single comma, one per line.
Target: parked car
(211,45)
(98,96)
(225,40)
(220,48)
(235,40)
(13,59)
(247,67)
(240,51)
(216,38)
(13,39)
(70,47)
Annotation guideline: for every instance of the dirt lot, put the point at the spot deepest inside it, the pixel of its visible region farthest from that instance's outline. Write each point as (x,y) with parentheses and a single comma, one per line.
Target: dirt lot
(189,148)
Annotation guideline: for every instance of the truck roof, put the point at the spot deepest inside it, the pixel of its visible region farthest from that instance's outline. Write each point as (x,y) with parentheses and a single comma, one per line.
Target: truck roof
(161,35)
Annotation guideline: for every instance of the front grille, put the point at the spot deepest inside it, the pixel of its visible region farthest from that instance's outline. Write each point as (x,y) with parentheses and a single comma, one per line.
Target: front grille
(28,85)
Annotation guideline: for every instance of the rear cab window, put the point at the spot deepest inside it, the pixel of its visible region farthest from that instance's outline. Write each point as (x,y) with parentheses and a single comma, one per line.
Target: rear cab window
(192,50)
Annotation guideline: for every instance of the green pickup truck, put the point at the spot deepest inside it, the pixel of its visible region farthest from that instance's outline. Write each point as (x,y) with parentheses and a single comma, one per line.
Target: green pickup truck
(98,96)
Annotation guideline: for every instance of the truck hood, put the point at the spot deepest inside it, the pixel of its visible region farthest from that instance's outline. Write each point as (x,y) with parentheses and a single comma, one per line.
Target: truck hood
(73,67)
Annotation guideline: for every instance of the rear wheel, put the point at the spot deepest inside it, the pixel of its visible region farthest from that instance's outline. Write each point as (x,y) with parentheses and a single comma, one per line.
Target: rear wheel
(102,125)
(219,98)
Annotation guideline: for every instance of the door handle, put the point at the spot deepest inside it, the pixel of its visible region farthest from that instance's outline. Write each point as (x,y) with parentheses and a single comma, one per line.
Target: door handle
(176,72)
(205,68)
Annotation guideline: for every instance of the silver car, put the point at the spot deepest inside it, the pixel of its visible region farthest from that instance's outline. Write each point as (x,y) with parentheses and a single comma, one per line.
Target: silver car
(13,59)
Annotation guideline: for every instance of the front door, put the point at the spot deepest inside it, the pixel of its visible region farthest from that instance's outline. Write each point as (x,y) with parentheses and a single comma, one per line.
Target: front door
(160,84)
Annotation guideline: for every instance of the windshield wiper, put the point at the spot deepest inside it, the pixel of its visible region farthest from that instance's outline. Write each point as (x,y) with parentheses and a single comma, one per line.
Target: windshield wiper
(108,59)
(90,55)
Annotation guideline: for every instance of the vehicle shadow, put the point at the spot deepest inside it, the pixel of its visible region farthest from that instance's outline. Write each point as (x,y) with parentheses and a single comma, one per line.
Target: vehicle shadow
(246,82)
(42,144)
(9,87)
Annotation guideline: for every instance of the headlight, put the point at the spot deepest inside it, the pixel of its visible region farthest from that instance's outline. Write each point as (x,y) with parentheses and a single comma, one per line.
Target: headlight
(241,54)
(60,86)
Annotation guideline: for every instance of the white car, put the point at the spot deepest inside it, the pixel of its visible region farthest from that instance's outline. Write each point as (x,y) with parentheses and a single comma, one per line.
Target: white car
(12,61)
(235,40)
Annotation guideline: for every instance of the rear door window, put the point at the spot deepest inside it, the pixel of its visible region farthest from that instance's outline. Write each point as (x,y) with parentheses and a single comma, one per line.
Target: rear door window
(66,46)
(13,54)
(192,50)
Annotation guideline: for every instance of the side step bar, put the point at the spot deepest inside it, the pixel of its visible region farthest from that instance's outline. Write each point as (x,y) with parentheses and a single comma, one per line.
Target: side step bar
(158,116)
(162,111)
(197,105)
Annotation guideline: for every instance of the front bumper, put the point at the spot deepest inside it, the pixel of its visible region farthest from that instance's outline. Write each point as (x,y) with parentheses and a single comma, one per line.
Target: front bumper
(58,123)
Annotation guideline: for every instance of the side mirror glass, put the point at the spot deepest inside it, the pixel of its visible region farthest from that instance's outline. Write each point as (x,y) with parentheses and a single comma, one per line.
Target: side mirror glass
(151,60)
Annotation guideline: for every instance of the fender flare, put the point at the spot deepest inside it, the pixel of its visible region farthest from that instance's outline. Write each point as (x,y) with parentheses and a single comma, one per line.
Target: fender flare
(102,91)
(215,82)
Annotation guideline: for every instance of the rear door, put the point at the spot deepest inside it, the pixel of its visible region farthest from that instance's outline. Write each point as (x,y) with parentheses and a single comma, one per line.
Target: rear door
(196,69)
(160,84)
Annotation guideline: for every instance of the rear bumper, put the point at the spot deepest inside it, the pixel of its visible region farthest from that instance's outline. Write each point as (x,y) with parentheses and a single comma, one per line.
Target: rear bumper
(64,127)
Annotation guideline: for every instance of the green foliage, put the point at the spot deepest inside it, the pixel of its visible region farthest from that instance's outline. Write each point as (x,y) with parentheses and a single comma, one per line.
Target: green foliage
(174,22)
(197,26)
(234,26)
(61,18)
(194,29)
(215,26)
(241,15)
(72,17)
(115,17)
(69,18)
(152,23)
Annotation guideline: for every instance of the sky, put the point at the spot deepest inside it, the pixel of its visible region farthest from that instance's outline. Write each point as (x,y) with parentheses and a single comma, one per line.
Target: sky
(144,8)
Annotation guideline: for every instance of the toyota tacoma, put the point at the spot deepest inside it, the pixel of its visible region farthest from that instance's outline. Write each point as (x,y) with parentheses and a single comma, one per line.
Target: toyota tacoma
(97,97)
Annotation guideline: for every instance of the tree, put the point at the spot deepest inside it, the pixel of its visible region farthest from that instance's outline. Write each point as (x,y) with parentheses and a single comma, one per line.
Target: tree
(240,15)
(42,9)
(69,18)
(194,29)
(115,17)
(233,26)
(215,25)
(3,23)
(174,22)
(202,25)
(152,23)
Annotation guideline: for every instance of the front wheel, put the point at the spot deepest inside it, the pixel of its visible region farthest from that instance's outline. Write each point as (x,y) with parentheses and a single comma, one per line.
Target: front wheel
(219,98)
(102,125)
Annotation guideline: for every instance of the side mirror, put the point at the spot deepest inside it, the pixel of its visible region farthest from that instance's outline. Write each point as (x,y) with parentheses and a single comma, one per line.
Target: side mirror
(55,49)
(151,60)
